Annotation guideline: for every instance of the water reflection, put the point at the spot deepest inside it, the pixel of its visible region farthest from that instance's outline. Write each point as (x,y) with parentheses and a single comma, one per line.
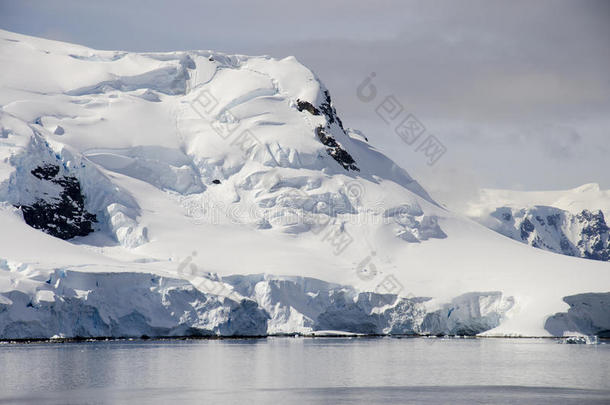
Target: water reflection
(320,370)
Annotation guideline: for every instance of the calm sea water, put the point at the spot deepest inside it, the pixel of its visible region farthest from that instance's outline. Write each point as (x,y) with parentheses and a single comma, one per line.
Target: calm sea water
(306,370)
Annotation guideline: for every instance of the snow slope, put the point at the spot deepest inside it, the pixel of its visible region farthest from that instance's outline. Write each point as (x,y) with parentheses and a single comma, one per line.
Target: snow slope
(203,193)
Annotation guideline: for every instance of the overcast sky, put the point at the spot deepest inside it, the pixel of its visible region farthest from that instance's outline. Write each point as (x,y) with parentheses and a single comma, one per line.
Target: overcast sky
(517,91)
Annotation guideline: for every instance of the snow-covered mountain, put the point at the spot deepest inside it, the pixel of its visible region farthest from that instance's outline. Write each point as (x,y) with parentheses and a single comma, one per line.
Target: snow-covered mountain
(553,221)
(198,193)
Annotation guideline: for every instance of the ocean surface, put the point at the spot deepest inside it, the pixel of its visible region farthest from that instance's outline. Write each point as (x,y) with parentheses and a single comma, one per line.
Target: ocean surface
(306,371)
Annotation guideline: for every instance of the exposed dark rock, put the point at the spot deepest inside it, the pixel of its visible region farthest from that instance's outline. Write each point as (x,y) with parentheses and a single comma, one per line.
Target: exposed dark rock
(326,108)
(553,220)
(63,216)
(595,223)
(595,234)
(585,234)
(335,150)
(566,246)
(307,106)
(46,172)
(216,181)
(329,111)
(526,228)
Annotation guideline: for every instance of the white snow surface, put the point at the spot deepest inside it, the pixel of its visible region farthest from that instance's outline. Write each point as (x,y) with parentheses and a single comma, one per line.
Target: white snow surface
(220,211)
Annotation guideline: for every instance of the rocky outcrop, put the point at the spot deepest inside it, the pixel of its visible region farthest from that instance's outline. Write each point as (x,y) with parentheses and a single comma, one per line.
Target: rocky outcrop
(64,194)
(585,234)
(595,237)
(333,148)
(61,214)
(336,151)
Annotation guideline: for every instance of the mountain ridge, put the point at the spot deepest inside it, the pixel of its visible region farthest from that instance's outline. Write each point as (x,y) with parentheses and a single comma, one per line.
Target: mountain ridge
(203,168)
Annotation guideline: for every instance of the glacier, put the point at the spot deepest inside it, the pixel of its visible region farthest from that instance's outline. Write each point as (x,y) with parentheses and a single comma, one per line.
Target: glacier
(74,304)
(195,193)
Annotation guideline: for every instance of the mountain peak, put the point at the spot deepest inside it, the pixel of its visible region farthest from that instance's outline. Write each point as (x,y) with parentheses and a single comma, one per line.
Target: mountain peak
(179,175)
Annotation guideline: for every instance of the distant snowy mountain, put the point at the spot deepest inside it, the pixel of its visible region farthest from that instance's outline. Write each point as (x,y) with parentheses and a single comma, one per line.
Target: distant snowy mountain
(566,227)
(586,197)
(198,193)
